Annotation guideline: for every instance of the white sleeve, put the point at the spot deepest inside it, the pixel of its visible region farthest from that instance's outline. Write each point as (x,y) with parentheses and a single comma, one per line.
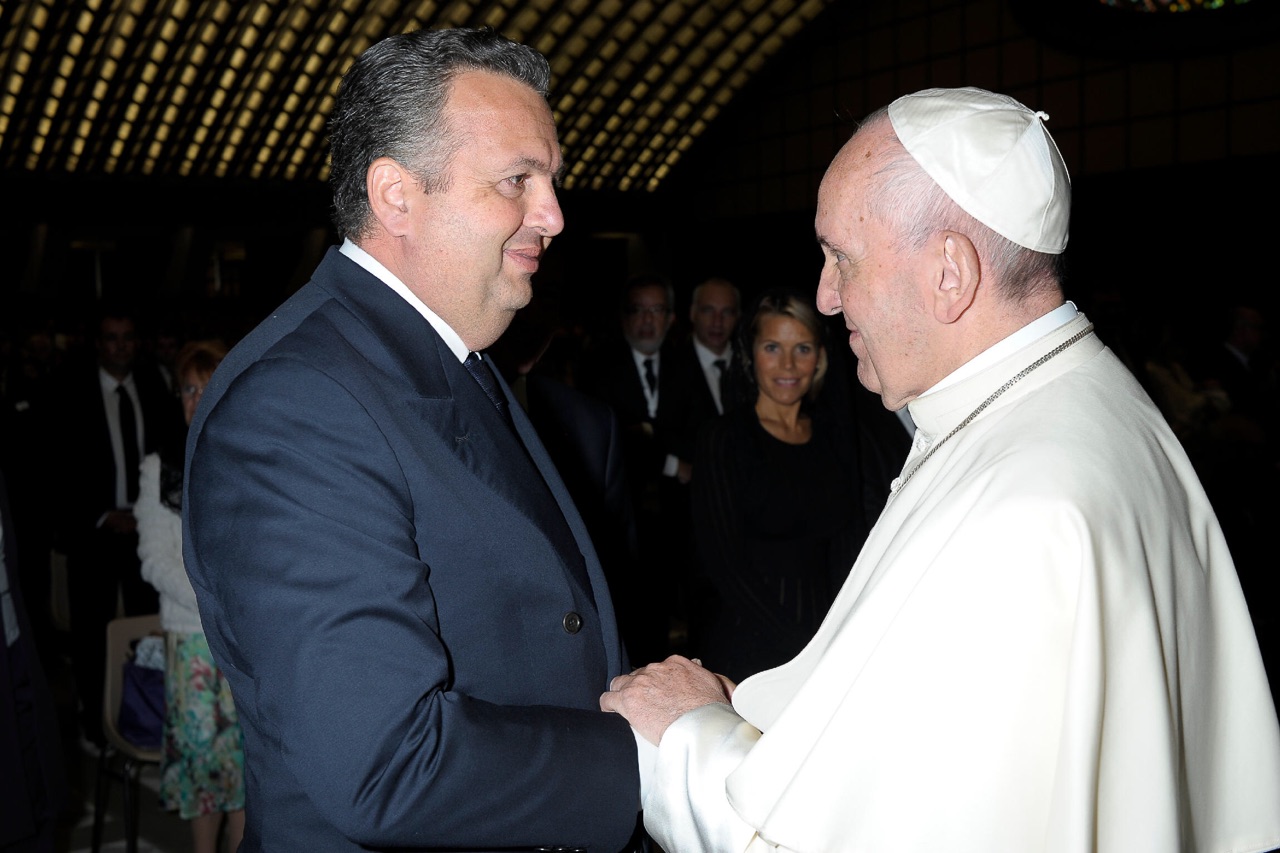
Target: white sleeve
(686,808)
(646,758)
(159,539)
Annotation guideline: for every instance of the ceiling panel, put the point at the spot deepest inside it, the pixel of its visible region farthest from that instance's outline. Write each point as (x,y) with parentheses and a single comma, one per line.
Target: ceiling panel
(242,90)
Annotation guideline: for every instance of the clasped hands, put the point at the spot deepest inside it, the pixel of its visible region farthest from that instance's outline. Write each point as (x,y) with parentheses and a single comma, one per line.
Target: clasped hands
(655,696)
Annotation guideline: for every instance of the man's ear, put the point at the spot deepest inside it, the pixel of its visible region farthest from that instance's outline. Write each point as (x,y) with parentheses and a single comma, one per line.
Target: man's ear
(961,275)
(388,184)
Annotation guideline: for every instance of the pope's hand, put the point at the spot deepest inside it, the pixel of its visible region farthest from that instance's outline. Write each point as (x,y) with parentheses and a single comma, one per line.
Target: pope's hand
(655,696)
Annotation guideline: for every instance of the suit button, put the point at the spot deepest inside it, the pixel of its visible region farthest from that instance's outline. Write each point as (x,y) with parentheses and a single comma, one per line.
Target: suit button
(572,622)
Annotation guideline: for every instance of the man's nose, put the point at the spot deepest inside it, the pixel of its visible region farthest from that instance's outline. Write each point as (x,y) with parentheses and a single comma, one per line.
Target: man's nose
(828,295)
(544,212)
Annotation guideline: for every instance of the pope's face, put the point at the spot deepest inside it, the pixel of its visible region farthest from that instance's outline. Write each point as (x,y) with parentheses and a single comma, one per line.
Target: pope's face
(878,288)
(476,243)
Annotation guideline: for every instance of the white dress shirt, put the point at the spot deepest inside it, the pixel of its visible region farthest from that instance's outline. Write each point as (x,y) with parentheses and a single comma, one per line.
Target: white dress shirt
(707,359)
(375,268)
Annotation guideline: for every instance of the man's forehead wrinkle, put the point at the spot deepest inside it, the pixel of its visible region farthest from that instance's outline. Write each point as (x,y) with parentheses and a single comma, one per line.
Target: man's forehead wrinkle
(535,164)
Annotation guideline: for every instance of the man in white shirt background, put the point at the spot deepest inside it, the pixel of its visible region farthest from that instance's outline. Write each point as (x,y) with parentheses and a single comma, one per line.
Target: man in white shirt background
(717,380)
(107,416)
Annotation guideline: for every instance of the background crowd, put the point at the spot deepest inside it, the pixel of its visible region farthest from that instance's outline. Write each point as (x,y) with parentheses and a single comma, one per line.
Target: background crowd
(677,372)
(723,455)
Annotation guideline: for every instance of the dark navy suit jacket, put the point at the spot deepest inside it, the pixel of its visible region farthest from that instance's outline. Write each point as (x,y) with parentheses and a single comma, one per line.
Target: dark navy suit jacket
(409,610)
(33,787)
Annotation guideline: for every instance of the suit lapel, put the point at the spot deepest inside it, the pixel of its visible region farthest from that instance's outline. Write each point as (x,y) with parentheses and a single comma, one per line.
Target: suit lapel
(449,402)
(633,385)
(693,368)
(513,464)
(567,517)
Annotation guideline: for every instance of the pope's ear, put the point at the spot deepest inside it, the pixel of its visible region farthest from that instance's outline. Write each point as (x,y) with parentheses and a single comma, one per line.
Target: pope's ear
(961,274)
(388,184)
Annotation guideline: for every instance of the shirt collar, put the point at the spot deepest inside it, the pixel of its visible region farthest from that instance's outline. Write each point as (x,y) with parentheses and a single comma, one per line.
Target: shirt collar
(375,268)
(109,382)
(1033,331)
(707,358)
(641,358)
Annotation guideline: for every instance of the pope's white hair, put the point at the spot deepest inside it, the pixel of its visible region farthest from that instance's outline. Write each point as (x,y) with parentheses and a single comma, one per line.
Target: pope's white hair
(904,197)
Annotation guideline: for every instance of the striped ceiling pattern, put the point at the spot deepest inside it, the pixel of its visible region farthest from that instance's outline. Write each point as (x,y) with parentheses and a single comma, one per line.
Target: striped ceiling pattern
(242,90)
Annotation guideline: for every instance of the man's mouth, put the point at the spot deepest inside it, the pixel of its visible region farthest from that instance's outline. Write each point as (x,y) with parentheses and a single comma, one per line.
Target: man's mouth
(525,258)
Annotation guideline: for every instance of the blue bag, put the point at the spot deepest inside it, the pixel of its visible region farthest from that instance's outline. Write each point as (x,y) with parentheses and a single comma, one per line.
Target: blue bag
(142,706)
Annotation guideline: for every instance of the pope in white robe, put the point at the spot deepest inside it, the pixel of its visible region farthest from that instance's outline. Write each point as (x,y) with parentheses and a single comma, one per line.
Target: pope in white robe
(1043,645)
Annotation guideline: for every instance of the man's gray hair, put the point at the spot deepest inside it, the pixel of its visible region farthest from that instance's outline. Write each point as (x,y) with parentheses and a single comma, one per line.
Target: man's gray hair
(737,295)
(636,282)
(904,197)
(391,104)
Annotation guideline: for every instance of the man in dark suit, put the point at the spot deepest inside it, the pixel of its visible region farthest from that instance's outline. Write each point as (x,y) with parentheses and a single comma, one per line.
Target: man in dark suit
(389,570)
(33,787)
(634,379)
(640,378)
(710,365)
(108,416)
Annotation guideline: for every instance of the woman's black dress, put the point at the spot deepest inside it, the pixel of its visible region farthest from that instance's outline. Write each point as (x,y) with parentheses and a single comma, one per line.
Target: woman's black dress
(778,527)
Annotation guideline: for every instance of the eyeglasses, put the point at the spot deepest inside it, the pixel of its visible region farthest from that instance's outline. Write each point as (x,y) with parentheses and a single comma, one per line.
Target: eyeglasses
(192,390)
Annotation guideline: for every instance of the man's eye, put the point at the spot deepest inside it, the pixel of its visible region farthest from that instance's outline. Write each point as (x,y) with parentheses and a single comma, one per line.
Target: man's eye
(517,180)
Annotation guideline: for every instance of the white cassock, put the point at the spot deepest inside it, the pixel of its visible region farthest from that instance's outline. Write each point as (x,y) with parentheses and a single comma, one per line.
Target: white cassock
(1043,646)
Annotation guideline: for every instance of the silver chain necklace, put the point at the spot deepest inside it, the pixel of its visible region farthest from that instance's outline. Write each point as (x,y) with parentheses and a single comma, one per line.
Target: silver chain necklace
(1076,338)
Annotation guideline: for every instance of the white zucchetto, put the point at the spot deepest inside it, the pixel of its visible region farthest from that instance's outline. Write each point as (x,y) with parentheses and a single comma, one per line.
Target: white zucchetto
(994,158)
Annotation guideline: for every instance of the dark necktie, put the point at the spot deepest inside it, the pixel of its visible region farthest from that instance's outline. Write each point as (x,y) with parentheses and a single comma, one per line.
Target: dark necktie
(721,374)
(483,374)
(650,376)
(129,439)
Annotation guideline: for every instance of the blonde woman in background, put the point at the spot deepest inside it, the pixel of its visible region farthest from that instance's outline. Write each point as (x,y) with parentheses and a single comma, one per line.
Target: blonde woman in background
(776,507)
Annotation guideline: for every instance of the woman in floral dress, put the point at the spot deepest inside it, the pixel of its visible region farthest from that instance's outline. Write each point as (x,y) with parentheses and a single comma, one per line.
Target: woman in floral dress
(202,773)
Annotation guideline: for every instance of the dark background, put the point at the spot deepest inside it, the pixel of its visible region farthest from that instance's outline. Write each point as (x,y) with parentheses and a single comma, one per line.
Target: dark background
(1170,126)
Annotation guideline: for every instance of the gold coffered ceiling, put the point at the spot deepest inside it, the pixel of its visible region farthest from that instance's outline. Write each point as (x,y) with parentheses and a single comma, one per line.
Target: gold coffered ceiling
(241,90)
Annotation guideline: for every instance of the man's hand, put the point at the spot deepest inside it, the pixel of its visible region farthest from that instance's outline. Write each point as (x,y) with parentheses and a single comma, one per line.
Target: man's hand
(655,696)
